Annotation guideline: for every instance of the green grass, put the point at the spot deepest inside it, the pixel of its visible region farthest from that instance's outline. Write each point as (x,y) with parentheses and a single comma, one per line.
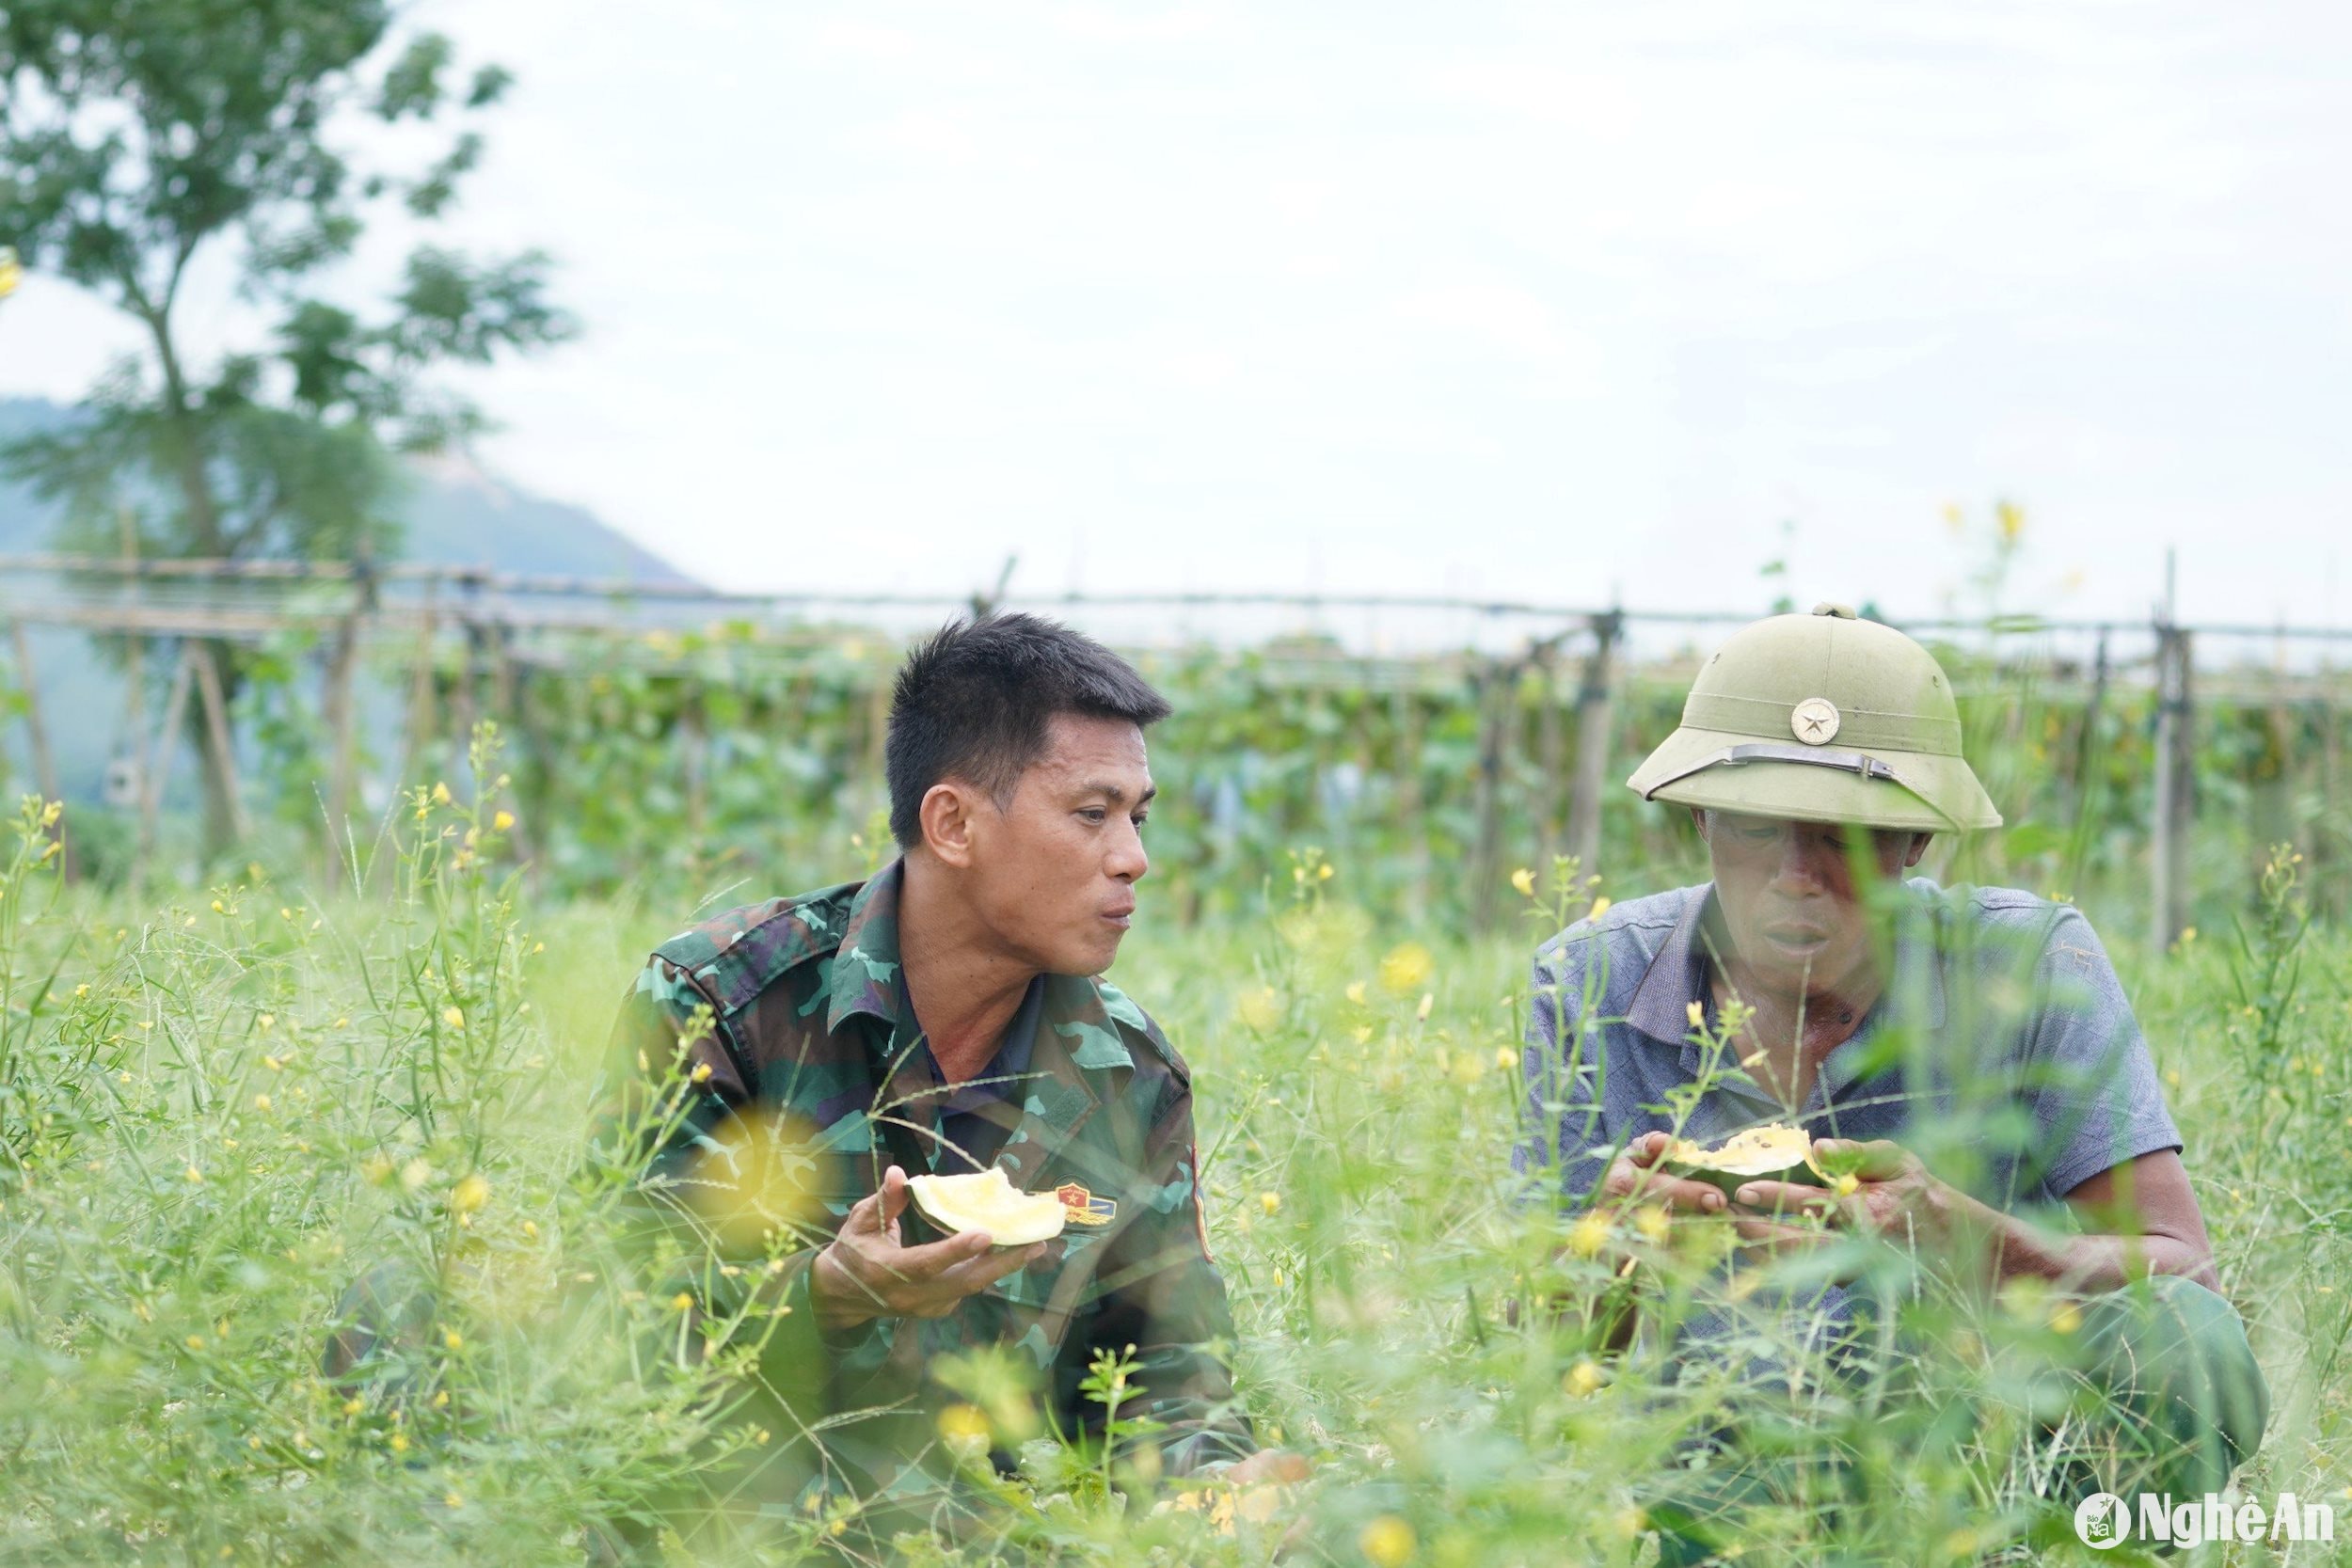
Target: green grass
(255,1096)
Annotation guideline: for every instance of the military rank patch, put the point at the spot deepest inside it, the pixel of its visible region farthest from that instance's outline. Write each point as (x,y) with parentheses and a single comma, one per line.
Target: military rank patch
(1080,1207)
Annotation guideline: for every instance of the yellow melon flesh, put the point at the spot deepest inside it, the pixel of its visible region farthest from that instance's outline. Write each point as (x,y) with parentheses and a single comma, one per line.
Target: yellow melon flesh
(986,1200)
(1775,1152)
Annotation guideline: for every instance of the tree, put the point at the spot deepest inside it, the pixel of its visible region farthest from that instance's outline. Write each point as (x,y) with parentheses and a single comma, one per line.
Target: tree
(142,142)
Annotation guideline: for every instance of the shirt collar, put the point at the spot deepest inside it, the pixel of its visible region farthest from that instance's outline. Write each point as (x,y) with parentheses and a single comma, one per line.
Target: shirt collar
(1005,1076)
(1661,1007)
(864,975)
(1662,1004)
(864,978)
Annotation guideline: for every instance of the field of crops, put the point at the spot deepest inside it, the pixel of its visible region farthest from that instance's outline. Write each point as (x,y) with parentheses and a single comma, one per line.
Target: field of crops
(218,1110)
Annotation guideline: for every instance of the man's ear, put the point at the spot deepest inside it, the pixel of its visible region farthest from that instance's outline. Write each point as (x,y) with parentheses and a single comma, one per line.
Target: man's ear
(1698,820)
(948,818)
(1919,843)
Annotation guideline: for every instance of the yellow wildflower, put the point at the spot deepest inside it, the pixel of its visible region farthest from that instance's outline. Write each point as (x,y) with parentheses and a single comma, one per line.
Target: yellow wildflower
(260,1102)
(1387,1542)
(680,1302)
(1652,1223)
(469,1196)
(440,794)
(1589,1236)
(453,1018)
(1406,969)
(1270,1202)
(1524,880)
(1583,1379)
(453,1339)
(963,1423)
(1600,907)
(502,822)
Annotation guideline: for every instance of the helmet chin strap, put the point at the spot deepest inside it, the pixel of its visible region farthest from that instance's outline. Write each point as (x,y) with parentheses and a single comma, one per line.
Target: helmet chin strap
(1858,763)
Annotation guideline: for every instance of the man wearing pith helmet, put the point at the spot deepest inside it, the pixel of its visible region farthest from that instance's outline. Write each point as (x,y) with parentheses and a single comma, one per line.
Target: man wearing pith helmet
(1969,1052)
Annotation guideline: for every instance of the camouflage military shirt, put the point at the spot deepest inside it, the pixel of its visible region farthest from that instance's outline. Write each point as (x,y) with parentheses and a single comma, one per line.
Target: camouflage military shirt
(789,1022)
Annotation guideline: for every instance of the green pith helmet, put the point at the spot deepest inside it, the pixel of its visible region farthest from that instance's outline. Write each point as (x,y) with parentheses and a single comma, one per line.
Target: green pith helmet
(1821,717)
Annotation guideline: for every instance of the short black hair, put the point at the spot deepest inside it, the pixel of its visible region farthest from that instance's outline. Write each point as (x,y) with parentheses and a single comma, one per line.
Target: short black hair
(973,700)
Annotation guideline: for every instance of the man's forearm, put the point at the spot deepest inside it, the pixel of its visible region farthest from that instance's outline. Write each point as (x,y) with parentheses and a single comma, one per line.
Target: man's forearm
(2011,1248)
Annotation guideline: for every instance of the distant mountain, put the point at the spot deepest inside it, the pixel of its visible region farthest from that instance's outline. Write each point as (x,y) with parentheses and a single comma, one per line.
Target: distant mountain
(453,513)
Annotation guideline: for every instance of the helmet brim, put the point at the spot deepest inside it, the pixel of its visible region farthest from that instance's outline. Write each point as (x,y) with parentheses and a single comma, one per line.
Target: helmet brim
(1928,794)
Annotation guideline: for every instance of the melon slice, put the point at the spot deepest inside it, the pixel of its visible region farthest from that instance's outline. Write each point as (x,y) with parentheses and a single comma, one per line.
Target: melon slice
(987,1201)
(1774,1152)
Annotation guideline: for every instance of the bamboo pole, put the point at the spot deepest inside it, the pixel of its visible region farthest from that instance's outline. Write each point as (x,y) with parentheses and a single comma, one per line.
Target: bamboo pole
(2175,757)
(223,755)
(1495,690)
(37,732)
(156,770)
(422,690)
(1551,751)
(1593,718)
(133,670)
(342,666)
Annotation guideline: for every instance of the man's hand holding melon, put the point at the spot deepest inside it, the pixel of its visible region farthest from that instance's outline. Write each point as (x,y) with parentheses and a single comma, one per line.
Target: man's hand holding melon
(868,1271)
(1875,1188)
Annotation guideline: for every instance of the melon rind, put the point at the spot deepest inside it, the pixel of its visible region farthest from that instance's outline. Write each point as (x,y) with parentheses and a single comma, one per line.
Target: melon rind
(986,1200)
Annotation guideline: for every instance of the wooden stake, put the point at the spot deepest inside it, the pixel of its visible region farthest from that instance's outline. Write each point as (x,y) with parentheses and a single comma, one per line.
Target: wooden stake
(1495,690)
(2175,759)
(423,720)
(44,764)
(1551,751)
(342,663)
(1592,744)
(208,691)
(155,770)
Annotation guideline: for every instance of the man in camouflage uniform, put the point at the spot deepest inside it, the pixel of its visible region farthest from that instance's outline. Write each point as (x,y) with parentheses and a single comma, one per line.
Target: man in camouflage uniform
(945,1015)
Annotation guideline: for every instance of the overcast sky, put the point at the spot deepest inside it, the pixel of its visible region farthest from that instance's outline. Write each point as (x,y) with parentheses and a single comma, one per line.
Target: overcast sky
(1574,302)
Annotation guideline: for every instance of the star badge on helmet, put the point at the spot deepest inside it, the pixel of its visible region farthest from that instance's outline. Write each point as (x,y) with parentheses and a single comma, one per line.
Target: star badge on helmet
(1813,720)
